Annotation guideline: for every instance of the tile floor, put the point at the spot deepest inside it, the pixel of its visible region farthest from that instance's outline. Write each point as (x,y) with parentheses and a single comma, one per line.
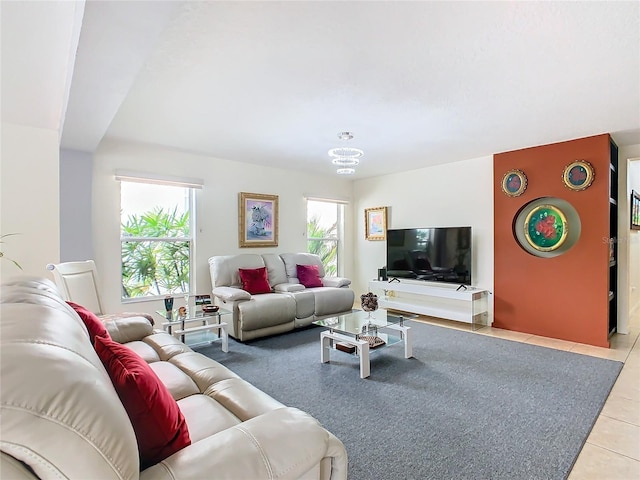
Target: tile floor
(612,450)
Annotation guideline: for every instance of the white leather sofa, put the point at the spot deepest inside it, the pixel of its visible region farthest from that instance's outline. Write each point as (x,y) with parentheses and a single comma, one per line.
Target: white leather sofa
(289,305)
(62,418)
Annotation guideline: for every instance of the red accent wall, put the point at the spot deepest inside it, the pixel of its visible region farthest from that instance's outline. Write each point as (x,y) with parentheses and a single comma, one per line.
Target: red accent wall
(563,297)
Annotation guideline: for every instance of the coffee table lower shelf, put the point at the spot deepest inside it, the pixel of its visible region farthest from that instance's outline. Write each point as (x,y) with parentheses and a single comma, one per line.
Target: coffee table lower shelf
(329,337)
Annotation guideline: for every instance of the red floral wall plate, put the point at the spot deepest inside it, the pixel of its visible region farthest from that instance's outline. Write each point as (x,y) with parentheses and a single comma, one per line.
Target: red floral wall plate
(546,228)
(578,175)
(514,183)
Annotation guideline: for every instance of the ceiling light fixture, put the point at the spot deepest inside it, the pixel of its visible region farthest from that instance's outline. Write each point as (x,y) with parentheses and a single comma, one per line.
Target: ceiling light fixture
(346,152)
(345,161)
(345,158)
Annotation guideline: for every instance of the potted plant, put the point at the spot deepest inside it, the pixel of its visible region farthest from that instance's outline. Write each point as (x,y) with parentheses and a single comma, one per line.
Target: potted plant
(2,253)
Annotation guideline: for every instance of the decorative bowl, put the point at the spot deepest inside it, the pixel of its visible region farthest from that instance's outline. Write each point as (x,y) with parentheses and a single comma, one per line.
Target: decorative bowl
(210,308)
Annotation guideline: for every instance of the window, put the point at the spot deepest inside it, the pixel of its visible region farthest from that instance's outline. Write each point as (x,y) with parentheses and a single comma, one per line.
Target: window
(156,238)
(324,231)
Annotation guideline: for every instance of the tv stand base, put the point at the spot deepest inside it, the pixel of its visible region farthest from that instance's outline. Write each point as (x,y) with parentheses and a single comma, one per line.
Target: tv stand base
(469,305)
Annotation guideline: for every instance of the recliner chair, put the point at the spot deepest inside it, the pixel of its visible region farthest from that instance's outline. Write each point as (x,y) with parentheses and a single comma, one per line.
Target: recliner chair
(78,283)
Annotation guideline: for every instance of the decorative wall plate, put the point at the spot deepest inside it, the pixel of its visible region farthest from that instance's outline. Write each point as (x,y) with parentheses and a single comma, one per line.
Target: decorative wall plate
(578,175)
(545,228)
(514,183)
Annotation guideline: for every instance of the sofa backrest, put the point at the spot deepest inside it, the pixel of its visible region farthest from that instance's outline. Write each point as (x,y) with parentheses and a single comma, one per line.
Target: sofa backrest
(59,412)
(224,268)
(291,260)
(281,268)
(275,269)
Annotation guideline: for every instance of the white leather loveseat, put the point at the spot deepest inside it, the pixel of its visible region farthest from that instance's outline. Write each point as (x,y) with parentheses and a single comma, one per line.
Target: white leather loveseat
(62,418)
(287,305)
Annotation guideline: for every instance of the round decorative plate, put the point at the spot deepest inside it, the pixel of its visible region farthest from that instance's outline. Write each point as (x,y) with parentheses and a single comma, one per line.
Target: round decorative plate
(514,183)
(545,228)
(578,175)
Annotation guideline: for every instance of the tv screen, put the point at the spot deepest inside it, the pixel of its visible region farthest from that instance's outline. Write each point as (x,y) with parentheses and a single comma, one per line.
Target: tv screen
(439,254)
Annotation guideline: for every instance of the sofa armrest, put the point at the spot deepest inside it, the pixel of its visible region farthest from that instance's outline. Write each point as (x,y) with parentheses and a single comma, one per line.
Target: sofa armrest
(288,287)
(231,294)
(285,444)
(336,282)
(128,329)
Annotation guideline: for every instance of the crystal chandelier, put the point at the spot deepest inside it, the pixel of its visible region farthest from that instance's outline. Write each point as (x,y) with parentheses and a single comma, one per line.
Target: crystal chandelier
(345,158)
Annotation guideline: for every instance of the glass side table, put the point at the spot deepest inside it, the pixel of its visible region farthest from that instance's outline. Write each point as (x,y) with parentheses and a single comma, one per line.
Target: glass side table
(197,328)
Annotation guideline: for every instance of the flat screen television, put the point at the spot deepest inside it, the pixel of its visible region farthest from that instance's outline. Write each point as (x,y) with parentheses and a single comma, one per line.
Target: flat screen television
(437,254)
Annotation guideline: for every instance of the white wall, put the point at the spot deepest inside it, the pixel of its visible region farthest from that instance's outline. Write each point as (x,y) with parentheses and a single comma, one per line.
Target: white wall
(75,205)
(629,159)
(216,203)
(30,199)
(456,194)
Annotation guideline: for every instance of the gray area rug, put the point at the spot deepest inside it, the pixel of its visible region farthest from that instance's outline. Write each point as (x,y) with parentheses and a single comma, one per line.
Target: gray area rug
(468,406)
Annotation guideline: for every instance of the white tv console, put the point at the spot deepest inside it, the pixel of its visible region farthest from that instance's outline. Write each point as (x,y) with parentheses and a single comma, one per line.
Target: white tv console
(442,301)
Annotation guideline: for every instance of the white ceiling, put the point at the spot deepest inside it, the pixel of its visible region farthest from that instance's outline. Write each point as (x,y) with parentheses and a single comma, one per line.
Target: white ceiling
(419,83)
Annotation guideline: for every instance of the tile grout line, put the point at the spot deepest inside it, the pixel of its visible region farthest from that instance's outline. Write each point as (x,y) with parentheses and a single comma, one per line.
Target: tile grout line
(613,451)
(619,420)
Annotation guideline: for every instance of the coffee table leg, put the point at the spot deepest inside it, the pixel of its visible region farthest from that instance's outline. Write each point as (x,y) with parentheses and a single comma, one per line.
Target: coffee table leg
(406,338)
(361,345)
(325,345)
(363,351)
(408,345)
(225,337)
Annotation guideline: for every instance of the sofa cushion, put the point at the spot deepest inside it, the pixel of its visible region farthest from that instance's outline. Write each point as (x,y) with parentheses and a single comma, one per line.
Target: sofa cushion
(95,327)
(144,350)
(254,280)
(224,268)
(309,276)
(267,310)
(291,260)
(179,383)
(231,294)
(305,303)
(110,317)
(331,301)
(288,288)
(205,417)
(275,268)
(336,282)
(160,427)
(127,329)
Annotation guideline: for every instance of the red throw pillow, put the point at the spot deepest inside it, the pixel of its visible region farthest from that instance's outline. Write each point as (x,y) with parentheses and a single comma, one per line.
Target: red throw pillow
(309,276)
(160,427)
(255,280)
(92,322)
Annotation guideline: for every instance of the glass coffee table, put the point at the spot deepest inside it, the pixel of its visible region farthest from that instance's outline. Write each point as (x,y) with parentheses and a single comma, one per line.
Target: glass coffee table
(202,328)
(361,332)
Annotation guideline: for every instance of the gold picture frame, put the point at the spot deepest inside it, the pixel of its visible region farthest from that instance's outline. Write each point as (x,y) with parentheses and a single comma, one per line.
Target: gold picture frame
(578,175)
(546,228)
(257,220)
(375,223)
(514,183)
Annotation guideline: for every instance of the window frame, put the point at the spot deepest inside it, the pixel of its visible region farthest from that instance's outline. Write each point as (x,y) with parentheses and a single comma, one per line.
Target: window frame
(339,237)
(190,186)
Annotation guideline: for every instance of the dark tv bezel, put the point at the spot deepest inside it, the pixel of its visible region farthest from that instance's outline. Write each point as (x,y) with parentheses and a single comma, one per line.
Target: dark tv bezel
(390,272)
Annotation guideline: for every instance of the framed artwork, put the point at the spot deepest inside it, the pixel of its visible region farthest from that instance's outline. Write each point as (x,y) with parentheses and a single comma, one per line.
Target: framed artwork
(545,228)
(635,210)
(578,175)
(258,220)
(375,223)
(514,183)
(203,300)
